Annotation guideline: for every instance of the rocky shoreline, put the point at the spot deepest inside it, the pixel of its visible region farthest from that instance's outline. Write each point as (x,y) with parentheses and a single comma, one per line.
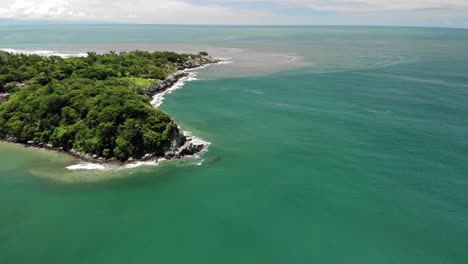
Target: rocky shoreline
(184,144)
(172,79)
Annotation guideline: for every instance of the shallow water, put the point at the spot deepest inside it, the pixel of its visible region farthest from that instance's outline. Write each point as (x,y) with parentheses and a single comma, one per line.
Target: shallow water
(360,156)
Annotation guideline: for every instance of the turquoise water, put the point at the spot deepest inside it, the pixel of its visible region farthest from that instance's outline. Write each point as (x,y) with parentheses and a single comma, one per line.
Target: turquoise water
(359,157)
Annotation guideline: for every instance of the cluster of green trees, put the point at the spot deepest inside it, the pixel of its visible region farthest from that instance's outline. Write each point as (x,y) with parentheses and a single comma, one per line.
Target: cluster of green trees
(87,104)
(35,69)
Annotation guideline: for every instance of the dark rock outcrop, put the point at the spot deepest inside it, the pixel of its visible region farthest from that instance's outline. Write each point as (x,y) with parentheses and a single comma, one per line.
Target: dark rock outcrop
(184,145)
(164,85)
(174,78)
(190,64)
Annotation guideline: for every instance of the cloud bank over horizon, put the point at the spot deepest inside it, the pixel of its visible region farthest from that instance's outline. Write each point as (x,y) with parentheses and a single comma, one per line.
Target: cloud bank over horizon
(447,13)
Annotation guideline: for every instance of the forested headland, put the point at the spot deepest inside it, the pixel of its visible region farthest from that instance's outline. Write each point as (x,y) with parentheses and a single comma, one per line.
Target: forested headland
(92,105)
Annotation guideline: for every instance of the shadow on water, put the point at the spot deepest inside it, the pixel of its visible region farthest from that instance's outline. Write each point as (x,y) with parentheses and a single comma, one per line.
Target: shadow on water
(213,160)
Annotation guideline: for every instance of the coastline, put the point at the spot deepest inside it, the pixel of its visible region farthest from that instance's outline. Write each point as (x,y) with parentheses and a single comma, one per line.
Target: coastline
(177,77)
(184,144)
(193,147)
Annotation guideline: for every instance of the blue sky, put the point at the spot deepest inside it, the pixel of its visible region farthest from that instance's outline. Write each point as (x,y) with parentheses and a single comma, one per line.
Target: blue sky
(438,13)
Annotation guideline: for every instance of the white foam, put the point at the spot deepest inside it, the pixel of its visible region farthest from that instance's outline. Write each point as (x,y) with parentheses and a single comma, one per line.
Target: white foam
(225,61)
(159,97)
(255,91)
(195,139)
(198,141)
(141,163)
(378,112)
(91,166)
(111,167)
(45,53)
(187,160)
(196,158)
(291,58)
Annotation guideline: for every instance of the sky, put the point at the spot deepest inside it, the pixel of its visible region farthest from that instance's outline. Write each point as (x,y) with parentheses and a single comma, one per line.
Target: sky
(431,13)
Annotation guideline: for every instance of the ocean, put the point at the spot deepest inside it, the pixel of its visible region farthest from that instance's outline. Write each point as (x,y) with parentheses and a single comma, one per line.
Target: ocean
(327,145)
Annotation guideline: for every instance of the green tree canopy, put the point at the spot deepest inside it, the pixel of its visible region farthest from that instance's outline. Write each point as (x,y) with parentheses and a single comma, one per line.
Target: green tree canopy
(87,103)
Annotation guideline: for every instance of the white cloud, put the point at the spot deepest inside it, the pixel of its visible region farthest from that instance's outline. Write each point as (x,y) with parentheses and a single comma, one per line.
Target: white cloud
(142,11)
(377,5)
(373,12)
(46,8)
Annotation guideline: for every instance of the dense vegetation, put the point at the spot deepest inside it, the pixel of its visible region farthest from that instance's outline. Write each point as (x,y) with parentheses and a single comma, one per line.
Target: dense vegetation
(91,104)
(125,66)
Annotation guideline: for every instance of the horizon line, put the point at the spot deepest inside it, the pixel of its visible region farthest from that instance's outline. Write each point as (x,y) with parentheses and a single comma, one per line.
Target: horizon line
(106,23)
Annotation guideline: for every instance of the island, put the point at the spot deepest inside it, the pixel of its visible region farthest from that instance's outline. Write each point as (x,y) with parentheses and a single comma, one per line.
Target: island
(95,107)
